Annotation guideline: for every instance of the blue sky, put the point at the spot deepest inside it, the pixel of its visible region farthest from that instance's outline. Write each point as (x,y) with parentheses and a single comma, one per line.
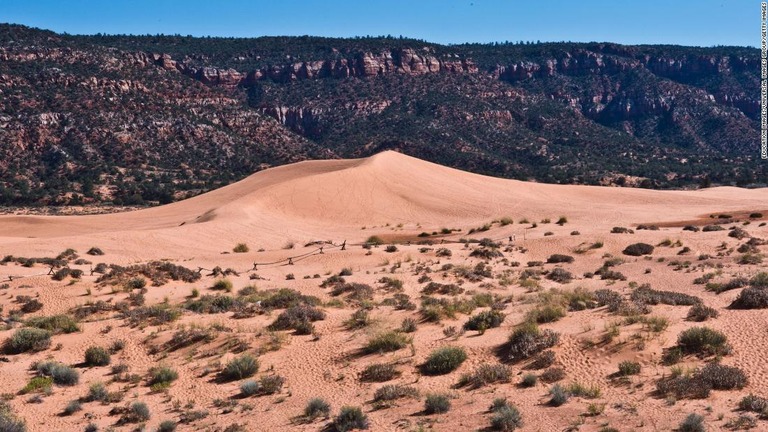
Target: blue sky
(700,22)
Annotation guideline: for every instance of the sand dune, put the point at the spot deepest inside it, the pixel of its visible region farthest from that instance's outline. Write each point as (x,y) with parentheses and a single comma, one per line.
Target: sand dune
(386,188)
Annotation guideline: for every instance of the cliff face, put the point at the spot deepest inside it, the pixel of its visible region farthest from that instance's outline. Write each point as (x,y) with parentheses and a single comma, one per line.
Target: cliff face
(137,119)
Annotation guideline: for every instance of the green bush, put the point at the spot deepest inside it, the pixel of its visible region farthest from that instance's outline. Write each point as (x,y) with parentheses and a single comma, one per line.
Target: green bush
(386,342)
(240,367)
(316,408)
(485,320)
(693,423)
(97,356)
(506,418)
(628,367)
(54,323)
(703,340)
(444,360)
(222,285)
(27,339)
(437,403)
(163,375)
(350,418)
(37,384)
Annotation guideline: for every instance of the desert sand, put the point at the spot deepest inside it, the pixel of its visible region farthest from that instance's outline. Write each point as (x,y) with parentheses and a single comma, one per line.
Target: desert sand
(285,211)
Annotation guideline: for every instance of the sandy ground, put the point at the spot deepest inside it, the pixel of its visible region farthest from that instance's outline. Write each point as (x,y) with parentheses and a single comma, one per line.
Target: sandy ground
(395,197)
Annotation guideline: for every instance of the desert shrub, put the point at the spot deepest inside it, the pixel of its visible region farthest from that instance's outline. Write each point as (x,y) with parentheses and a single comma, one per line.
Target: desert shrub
(392,392)
(628,367)
(222,285)
(240,248)
(699,312)
(559,258)
(154,315)
(71,408)
(735,283)
(721,377)
(27,339)
(710,228)
(485,374)
(703,340)
(249,388)
(271,384)
(693,228)
(61,374)
(638,249)
(240,367)
(54,323)
(390,248)
(97,356)
(559,395)
(136,283)
(621,230)
(751,298)
(580,390)
(545,314)
(359,319)
(445,289)
(9,422)
(166,426)
(560,275)
(350,418)
(543,360)
(355,291)
(443,252)
(528,340)
(553,375)
(529,380)
(437,403)
(485,320)
(486,253)
(95,251)
(754,403)
(749,258)
(408,325)
(379,372)
(31,305)
(391,283)
(443,360)
(738,233)
(292,317)
(759,280)
(606,273)
(386,342)
(97,392)
(693,423)
(137,412)
(646,295)
(162,375)
(213,304)
(316,408)
(374,240)
(506,418)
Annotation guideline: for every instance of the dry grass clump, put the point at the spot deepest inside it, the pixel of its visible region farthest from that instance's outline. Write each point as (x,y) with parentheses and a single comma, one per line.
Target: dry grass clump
(350,418)
(485,374)
(386,342)
(317,408)
(384,396)
(379,372)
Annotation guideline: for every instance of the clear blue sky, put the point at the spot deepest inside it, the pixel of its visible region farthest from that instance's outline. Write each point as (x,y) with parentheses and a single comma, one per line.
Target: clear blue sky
(699,22)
